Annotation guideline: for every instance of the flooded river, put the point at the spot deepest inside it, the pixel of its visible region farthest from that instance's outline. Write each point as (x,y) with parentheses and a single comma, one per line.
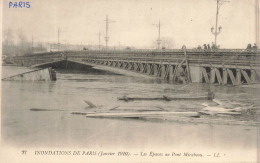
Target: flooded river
(22,127)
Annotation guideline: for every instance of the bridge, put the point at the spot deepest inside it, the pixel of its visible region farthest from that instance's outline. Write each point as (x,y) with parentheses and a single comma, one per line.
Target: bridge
(223,67)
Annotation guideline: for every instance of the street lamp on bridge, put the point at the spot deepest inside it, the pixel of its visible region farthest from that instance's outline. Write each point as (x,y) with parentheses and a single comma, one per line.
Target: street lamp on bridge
(216,31)
(159,34)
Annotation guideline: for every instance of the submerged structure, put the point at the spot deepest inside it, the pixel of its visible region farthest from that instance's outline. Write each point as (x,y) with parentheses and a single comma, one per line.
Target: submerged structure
(46,74)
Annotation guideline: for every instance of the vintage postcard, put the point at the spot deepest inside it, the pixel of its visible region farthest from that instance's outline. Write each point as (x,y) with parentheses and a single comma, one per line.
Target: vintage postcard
(130,81)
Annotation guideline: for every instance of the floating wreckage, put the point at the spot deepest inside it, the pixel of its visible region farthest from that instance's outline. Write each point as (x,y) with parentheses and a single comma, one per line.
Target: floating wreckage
(164,98)
(154,112)
(220,109)
(210,96)
(47,74)
(140,114)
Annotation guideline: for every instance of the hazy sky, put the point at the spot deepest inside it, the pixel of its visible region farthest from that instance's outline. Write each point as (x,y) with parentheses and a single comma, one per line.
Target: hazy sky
(184,21)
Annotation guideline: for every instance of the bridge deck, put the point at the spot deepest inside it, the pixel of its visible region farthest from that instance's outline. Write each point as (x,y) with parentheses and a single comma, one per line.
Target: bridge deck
(222,66)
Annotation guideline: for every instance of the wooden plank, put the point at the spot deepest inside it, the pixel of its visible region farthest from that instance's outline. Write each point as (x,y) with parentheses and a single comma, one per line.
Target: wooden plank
(246,76)
(166,98)
(232,77)
(218,76)
(140,114)
(205,75)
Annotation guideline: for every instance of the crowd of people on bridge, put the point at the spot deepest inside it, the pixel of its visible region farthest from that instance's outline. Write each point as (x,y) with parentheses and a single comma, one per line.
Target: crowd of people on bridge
(208,47)
(213,46)
(250,47)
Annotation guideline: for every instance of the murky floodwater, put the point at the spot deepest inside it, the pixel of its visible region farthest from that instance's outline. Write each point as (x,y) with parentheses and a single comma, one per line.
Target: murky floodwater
(21,127)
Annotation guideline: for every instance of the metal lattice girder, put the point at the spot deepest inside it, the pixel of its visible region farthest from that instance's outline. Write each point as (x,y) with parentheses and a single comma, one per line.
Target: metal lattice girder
(218,76)
(166,76)
(145,67)
(142,69)
(238,76)
(253,75)
(156,67)
(205,75)
(225,76)
(163,71)
(244,73)
(212,75)
(148,69)
(171,71)
(132,66)
(232,77)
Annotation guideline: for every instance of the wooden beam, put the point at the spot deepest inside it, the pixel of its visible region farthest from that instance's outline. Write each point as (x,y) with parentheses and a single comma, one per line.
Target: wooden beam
(139,114)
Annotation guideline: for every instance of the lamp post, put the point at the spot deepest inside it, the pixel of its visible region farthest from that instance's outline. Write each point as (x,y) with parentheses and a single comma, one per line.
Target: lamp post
(159,34)
(216,31)
(107,37)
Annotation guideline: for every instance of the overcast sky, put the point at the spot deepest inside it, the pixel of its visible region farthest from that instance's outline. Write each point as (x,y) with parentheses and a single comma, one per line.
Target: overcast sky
(186,22)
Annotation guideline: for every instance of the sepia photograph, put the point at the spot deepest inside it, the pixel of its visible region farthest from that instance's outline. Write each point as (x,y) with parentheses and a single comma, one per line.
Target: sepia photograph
(130,81)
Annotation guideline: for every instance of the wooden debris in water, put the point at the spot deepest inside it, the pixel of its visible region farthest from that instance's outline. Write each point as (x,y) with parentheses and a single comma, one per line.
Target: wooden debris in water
(164,98)
(139,114)
(90,104)
(38,109)
(78,113)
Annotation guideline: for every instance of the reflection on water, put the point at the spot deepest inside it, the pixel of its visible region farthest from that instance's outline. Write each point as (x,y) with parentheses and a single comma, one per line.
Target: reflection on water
(20,126)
